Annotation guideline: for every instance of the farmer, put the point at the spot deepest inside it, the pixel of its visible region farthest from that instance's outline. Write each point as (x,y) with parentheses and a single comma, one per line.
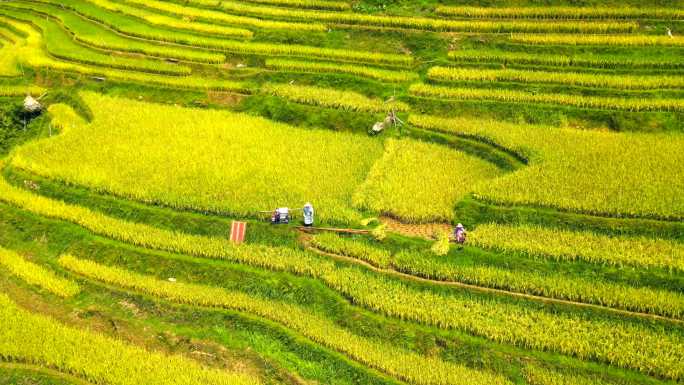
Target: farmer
(460,234)
(308,215)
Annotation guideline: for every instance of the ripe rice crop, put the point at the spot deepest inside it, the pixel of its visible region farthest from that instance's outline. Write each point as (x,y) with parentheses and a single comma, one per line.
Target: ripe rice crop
(228,166)
(562,12)
(21,90)
(542,376)
(333,243)
(427,23)
(216,16)
(552,285)
(204,3)
(632,174)
(30,53)
(617,81)
(330,67)
(10,33)
(177,23)
(312,4)
(60,45)
(526,58)
(612,40)
(331,98)
(37,275)
(399,363)
(6,35)
(98,36)
(624,344)
(117,21)
(515,96)
(134,28)
(573,245)
(405,181)
(591,291)
(8,62)
(64,118)
(42,341)
(649,349)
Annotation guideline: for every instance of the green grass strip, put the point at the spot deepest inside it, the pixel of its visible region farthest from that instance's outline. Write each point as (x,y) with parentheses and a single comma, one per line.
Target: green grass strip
(514,96)
(399,363)
(37,275)
(651,349)
(41,340)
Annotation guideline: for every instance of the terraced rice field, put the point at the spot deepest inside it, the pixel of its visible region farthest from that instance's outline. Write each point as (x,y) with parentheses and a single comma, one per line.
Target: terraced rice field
(553,132)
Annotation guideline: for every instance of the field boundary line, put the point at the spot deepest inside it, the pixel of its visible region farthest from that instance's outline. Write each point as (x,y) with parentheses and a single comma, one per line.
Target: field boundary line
(489,290)
(161,43)
(213,49)
(286,327)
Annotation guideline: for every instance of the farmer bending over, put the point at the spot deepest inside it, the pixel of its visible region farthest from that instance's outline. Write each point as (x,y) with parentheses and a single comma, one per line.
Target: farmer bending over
(460,234)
